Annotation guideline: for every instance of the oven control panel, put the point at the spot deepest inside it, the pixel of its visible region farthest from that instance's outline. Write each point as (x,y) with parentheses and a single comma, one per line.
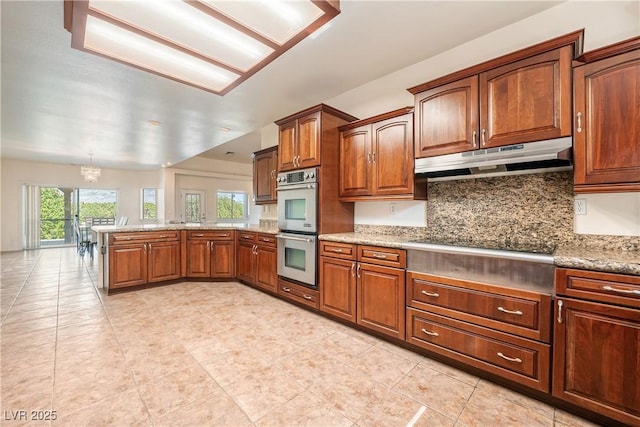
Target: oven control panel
(304,176)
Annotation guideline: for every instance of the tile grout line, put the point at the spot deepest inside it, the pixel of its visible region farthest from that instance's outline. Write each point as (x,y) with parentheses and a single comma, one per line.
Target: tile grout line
(24,283)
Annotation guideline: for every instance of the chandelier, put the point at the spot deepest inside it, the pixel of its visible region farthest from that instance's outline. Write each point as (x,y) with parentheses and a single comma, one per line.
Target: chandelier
(90,171)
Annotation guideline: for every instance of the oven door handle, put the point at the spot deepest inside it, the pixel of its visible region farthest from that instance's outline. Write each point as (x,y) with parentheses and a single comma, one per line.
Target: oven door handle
(299,239)
(296,187)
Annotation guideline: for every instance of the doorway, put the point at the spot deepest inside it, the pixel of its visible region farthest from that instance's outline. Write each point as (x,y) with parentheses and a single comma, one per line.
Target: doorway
(193,206)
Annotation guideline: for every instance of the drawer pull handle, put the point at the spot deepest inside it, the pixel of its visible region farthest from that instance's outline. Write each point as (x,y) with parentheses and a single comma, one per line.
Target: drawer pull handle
(163,236)
(224,235)
(621,291)
(430,294)
(353,269)
(504,310)
(128,238)
(307,297)
(433,334)
(560,303)
(198,235)
(337,250)
(264,239)
(510,359)
(379,256)
(284,288)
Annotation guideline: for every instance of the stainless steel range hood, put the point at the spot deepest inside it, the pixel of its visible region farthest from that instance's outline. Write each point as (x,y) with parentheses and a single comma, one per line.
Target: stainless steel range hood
(531,157)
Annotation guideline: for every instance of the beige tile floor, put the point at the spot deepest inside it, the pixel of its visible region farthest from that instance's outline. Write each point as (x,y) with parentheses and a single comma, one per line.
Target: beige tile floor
(199,354)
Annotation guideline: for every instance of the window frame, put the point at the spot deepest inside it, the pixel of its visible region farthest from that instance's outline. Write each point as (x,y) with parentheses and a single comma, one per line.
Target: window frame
(245,195)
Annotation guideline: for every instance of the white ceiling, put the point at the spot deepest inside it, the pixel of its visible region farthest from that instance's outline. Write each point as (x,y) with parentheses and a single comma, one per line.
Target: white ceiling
(59,104)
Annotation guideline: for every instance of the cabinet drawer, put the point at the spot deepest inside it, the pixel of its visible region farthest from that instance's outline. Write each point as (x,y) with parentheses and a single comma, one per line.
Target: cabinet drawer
(524,361)
(528,317)
(338,250)
(299,293)
(596,286)
(266,240)
(211,234)
(126,238)
(244,236)
(383,256)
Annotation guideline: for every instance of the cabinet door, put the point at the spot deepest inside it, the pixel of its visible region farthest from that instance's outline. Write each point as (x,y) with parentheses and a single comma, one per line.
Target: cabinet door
(606,141)
(447,118)
(393,156)
(245,262)
(381,299)
(528,100)
(355,162)
(223,259)
(127,265)
(264,177)
(309,140)
(596,354)
(287,146)
(164,261)
(198,258)
(266,268)
(338,287)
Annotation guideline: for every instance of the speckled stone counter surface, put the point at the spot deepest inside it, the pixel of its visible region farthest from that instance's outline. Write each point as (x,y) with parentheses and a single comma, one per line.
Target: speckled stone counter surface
(599,259)
(162,227)
(388,241)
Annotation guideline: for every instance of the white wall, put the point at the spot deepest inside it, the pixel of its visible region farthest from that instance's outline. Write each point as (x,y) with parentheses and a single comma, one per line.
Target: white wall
(16,173)
(604,22)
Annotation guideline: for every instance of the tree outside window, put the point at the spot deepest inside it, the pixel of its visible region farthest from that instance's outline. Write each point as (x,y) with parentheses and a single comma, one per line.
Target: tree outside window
(231,206)
(149,203)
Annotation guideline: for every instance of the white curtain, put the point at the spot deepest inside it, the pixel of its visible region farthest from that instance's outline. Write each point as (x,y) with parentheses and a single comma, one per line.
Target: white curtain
(31,215)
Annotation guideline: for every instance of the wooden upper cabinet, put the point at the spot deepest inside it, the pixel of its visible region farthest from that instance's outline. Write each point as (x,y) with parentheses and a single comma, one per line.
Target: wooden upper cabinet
(287,146)
(607,123)
(355,154)
(392,156)
(300,143)
(301,136)
(376,157)
(520,97)
(265,172)
(447,118)
(528,100)
(309,140)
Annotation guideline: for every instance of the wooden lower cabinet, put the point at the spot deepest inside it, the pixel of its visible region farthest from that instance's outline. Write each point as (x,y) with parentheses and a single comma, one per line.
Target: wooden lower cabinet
(141,258)
(596,345)
(338,296)
(381,299)
(210,254)
(299,294)
(353,288)
(163,261)
(128,265)
(256,260)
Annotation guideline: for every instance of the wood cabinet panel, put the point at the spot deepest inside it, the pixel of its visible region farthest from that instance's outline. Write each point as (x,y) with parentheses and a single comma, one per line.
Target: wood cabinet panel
(127,265)
(287,146)
(164,261)
(198,258)
(390,257)
(337,250)
(309,140)
(380,299)
(338,289)
(447,118)
(517,359)
(596,358)
(612,288)
(245,265)
(607,108)
(266,268)
(265,171)
(355,155)
(393,159)
(528,100)
(298,294)
(222,259)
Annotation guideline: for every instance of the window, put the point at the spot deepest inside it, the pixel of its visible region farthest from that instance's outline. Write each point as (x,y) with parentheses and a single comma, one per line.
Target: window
(149,204)
(94,203)
(231,206)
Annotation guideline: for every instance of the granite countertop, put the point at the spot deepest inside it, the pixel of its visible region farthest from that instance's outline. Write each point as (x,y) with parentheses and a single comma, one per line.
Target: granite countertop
(570,256)
(161,227)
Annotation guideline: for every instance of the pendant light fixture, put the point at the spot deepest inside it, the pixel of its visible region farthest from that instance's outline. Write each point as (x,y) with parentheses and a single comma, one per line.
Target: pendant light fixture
(90,172)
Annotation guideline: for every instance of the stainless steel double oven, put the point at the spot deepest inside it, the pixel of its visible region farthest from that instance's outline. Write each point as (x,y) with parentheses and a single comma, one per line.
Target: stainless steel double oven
(297,221)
